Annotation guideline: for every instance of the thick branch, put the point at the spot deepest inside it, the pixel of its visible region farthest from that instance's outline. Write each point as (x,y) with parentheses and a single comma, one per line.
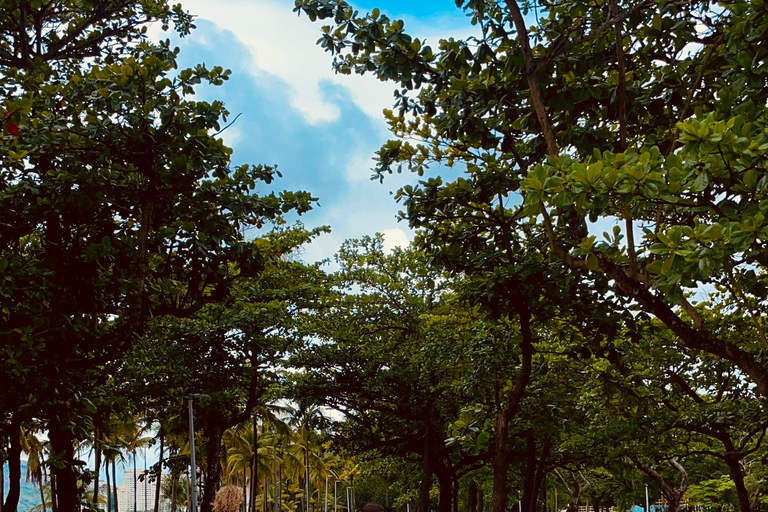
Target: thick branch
(530,75)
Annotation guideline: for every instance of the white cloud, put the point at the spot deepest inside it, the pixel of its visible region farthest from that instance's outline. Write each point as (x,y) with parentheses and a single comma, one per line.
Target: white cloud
(394,238)
(284,45)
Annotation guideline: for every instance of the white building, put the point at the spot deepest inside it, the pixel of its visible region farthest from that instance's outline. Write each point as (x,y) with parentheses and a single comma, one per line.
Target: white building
(145,494)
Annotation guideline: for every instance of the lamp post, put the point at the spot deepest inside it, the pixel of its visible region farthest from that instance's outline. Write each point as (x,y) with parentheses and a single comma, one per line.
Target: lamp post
(192,467)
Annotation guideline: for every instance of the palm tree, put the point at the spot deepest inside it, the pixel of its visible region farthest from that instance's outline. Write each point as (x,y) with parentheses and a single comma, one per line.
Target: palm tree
(35,450)
(176,490)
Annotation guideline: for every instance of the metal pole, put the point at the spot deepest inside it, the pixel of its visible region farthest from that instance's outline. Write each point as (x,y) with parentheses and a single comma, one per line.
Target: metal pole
(326,494)
(335,495)
(647,506)
(192,471)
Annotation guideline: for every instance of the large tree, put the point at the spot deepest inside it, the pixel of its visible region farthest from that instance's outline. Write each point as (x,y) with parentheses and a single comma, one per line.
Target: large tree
(118,203)
(645,114)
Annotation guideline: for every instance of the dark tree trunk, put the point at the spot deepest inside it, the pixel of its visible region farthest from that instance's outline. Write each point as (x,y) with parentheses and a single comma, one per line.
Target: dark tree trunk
(529,484)
(97,466)
(500,463)
(426,482)
(540,489)
(63,445)
(54,493)
(738,479)
(472,497)
(114,484)
(213,467)
(109,486)
(135,483)
(42,492)
(501,454)
(445,485)
(14,466)
(455,497)
(159,470)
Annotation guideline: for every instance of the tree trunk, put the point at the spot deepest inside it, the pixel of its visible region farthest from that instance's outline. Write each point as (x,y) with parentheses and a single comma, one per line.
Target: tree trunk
(213,467)
(472,497)
(63,445)
(738,479)
(159,470)
(445,485)
(54,493)
(114,484)
(97,466)
(14,466)
(500,463)
(174,484)
(135,483)
(541,475)
(529,484)
(109,486)
(501,454)
(42,492)
(455,497)
(426,482)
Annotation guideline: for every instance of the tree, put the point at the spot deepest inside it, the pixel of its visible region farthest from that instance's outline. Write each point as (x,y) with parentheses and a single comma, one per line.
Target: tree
(118,204)
(648,114)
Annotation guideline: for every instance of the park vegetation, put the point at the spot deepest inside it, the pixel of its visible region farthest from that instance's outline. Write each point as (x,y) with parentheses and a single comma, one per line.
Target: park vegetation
(581,317)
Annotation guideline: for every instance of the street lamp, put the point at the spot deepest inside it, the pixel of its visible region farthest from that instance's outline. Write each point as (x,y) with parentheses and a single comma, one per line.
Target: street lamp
(192,467)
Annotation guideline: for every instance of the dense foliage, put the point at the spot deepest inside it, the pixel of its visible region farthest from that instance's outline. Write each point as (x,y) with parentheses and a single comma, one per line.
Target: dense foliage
(510,359)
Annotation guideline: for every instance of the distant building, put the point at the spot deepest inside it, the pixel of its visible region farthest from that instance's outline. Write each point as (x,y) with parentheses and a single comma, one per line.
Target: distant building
(145,494)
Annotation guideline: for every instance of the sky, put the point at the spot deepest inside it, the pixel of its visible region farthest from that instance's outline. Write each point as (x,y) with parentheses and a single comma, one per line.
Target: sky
(321,129)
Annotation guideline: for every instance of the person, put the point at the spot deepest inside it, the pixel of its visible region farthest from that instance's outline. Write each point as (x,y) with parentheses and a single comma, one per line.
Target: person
(373,507)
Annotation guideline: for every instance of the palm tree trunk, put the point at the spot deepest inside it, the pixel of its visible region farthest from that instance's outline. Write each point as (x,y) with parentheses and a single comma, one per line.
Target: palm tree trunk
(54,488)
(109,486)
(174,480)
(159,470)
(114,484)
(42,494)
(135,488)
(97,465)
(14,466)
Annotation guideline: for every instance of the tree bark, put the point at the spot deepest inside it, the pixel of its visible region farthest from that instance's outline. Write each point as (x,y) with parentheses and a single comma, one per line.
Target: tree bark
(500,463)
(501,454)
(63,445)
(472,497)
(114,484)
(97,466)
(14,466)
(109,486)
(159,480)
(529,484)
(738,479)
(445,485)
(213,465)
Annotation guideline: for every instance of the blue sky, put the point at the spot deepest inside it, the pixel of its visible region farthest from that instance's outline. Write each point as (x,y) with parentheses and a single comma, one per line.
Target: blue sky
(321,129)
